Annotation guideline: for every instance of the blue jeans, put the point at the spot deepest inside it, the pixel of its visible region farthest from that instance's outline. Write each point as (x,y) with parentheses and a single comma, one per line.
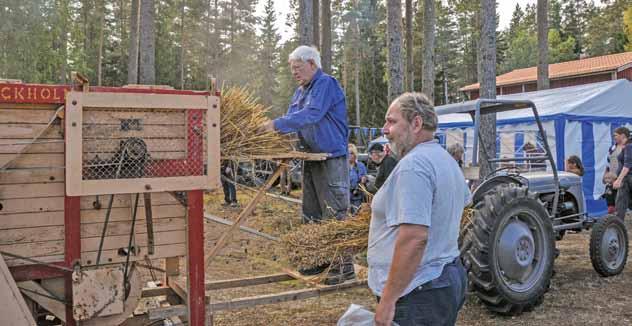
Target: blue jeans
(436,302)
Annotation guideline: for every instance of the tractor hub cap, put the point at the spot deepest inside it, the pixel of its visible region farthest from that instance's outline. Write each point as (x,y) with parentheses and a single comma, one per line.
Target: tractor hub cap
(611,247)
(516,250)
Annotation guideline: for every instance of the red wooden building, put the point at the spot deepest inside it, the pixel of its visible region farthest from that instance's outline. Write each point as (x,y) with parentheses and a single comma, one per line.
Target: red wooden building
(563,74)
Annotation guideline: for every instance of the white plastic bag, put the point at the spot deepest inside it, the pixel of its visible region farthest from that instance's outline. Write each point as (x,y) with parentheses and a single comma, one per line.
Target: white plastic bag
(357,316)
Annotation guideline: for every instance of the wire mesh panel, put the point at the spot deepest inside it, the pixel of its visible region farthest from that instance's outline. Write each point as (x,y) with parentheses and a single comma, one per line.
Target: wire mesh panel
(135,140)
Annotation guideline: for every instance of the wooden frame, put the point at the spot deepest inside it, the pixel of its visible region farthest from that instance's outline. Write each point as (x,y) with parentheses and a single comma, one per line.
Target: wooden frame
(77,101)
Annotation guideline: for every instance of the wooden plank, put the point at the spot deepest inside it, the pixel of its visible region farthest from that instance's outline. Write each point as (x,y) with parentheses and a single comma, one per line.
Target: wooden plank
(120,241)
(8,115)
(27,220)
(156,291)
(43,175)
(32,190)
(146,100)
(112,256)
(13,310)
(35,249)
(50,233)
(42,296)
(89,245)
(108,256)
(139,185)
(14,145)
(123,228)
(34,234)
(247,302)
(115,132)
(55,204)
(283,156)
(28,131)
(124,213)
(239,282)
(147,117)
(29,160)
(282,297)
(31,205)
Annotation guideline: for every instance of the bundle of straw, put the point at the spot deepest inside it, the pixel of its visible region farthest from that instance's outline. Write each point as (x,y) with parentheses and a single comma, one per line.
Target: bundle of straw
(311,245)
(315,244)
(241,117)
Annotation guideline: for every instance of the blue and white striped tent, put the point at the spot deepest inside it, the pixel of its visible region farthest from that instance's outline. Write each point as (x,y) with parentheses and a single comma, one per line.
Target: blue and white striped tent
(578,120)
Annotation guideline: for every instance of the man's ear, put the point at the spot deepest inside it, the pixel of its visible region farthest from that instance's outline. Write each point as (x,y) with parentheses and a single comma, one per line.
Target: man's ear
(418,123)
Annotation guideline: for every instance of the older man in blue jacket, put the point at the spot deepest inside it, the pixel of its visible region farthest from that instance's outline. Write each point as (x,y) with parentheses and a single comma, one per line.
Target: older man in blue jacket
(318,113)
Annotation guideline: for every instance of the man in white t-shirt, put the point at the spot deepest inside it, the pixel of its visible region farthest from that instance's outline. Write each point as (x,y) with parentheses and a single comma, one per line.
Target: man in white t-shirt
(414,265)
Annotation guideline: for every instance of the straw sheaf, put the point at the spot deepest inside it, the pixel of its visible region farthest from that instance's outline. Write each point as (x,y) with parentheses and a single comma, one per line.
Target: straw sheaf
(241,117)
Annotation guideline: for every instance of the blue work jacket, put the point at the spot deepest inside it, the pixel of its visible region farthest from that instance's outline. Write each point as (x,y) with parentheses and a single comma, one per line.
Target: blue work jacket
(318,113)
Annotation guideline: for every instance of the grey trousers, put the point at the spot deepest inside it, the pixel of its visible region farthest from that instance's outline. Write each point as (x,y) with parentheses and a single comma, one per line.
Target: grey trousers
(623,197)
(325,189)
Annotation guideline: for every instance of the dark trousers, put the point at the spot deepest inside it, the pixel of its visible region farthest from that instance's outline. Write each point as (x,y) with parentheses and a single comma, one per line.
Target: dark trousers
(325,189)
(230,193)
(435,303)
(623,197)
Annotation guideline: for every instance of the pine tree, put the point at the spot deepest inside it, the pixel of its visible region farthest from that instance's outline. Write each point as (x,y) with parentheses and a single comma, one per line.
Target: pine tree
(268,55)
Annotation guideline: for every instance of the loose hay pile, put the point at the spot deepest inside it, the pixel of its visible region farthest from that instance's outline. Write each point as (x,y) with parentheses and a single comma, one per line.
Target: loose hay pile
(241,117)
(311,245)
(315,244)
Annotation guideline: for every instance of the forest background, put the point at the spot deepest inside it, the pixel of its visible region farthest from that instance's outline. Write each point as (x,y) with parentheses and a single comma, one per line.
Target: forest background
(42,41)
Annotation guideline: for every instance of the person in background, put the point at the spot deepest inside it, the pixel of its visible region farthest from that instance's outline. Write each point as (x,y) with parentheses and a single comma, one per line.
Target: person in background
(609,175)
(357,178)
(623,182)
(414,263)
(574,165)
(228,183)
(457,151)
(388,164)
(318,114)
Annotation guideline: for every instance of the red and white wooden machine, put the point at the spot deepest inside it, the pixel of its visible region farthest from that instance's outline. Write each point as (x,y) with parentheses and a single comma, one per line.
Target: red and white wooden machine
(95,184)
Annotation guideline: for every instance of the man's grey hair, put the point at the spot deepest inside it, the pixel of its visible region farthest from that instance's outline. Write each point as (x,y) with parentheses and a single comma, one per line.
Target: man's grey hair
(456,149)
(417,104)
(305,53)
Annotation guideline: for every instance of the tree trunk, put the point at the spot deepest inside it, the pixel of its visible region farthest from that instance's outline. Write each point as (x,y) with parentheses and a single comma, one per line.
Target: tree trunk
(147,71)
(100,55)
(182,42)
(428,77)
(316,22)
(410,78)
(325,32)
(132,60)
(306,25)
(356,91)
(63,69)
(543,44)
(487,131)
(394,44)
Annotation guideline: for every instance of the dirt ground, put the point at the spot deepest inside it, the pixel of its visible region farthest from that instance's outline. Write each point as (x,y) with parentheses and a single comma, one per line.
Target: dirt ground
(578,295)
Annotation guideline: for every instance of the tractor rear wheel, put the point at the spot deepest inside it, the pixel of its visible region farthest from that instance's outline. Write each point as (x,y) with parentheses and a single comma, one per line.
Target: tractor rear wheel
(509,250)
(609,246)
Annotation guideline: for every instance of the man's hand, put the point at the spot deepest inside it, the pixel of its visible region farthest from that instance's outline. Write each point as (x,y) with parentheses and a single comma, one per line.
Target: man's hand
(384,313)
(267,126)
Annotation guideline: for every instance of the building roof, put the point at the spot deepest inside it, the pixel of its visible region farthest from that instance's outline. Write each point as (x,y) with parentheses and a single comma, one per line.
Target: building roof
(563,69)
